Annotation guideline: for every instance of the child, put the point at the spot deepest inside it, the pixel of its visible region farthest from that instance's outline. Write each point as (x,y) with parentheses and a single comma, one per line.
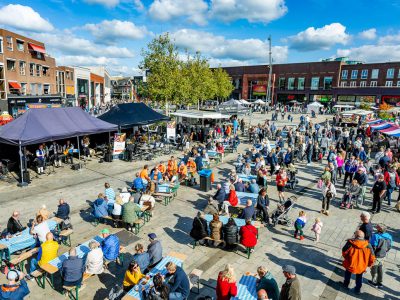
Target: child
(317,227)
(299,225)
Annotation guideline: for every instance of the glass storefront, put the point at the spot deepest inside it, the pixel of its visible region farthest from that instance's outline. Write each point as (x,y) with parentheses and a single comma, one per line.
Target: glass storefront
(391,100)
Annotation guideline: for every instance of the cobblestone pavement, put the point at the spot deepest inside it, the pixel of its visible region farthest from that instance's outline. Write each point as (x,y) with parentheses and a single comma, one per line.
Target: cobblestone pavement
(318,265)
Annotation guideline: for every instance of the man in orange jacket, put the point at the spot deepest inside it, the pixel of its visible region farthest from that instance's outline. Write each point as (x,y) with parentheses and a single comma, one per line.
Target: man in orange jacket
(358,256)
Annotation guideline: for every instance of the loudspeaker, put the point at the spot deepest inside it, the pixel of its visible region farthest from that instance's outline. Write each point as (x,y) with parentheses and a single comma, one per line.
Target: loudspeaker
(26,176)
(108,157)
(75,167)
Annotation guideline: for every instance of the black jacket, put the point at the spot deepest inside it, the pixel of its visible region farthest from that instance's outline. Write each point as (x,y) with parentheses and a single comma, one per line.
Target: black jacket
(262,201)
(63,211)
(14,226)
(230,234)
(199,229)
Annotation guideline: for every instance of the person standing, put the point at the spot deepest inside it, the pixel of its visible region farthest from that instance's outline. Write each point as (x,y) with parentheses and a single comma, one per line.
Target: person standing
(226,284)
(267,284)
(350,167)
(281,180)
(378,190)
(366,225)
(358,256)
(328,193)
(291,288)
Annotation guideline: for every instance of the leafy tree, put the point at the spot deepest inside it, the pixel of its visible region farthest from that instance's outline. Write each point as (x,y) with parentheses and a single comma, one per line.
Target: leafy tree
(223,84)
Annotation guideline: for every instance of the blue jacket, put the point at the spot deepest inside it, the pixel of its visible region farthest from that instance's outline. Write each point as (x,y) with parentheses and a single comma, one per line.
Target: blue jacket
(100,208)
(220,195)
(180,283)
(288,158)
(14,292)
(110,247)
(248,213)
(72,269)
(199,163)
(300,222)
(138,184)
(362,155)
(350,167)
(63,211)
(143,260)
(159,176)
(155,252)
(254,188)
(377,236)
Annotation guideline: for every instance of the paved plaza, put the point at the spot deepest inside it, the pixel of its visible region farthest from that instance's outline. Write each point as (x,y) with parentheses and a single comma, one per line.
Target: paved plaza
(318,265)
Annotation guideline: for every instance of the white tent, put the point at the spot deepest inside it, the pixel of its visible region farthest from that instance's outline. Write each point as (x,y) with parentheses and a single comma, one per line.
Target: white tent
(232,102)
(314,107)
(259,101)
(244,102)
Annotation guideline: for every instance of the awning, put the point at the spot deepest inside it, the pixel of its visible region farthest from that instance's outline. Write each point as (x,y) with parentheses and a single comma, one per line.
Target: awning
(37,48)
(14,85)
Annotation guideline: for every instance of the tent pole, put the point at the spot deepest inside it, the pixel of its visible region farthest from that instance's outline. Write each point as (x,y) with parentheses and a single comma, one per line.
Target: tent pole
(22,183)
(79,152)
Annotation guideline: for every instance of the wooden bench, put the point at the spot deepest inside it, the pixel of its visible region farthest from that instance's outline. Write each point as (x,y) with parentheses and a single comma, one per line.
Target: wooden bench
(20,259)
(66,237)
(167,197)
(40,277)
(119,260)
(208,239)
(194,279)
(248,249)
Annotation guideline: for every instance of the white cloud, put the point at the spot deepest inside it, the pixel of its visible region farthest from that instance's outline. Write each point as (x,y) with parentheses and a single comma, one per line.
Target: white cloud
(106,3)
(24,18)
(84,60)
(138,5)
(320,38)
(111,31)
(124,70)
(165,10)
(218,47)
(372,53)
(369,34)
(252,10)
(390,39)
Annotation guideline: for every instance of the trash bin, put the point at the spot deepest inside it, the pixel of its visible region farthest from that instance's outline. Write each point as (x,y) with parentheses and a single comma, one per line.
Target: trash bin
(205,180)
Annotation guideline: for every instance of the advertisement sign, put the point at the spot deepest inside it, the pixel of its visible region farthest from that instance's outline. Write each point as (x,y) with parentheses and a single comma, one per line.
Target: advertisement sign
(260,90)
(119,143)
(171,129)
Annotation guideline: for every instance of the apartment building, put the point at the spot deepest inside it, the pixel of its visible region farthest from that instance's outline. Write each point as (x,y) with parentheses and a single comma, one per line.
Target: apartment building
(27,73)
(65,81)
(103,72)
(97,89)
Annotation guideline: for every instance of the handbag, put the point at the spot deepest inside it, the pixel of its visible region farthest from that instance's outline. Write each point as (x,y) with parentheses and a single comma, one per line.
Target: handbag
(319,184)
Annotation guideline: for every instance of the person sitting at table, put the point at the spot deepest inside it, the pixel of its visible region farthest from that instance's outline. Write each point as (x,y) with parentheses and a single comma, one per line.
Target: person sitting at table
(253,187)
(63,209)
(94,259)
(226,284)
(263,205)
(43,212)
(247,169)
(231,201)
(172,167)
(110,246)
(267,283)
(147,198)
(47,252)
(17,288)
(138,184)
(141,257)
(249,211)
(154,249)
(212,207)
(72,269)
(124,195)
(40,229)
(199,229)
(163,170)
(109,195)
(130,212)
(160,290)
(220,150)
(199,162)
(230,232)
(220,194)
(182,171)
(100,207)
(144,174)
(14,225)
(239,186)
(215,231)
(116,213)
(248,235)
(205,157)
(132,276)
(262,176)
(178,281)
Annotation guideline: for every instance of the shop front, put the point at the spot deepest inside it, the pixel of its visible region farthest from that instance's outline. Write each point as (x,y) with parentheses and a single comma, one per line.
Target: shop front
(83,93)
(290,99)
(17,105)
(391,100)
(325,100)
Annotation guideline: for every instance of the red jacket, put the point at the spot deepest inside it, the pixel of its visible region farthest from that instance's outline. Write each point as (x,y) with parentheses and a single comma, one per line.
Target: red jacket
(387,177)
(280,180)
(225,289)
(232,198)
(248,236)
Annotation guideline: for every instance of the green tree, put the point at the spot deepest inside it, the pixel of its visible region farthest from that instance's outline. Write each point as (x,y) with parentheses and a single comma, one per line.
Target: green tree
(223,84)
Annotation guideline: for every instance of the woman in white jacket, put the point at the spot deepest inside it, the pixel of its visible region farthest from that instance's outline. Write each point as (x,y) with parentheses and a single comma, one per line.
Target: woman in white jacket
(328,193)
(94,259)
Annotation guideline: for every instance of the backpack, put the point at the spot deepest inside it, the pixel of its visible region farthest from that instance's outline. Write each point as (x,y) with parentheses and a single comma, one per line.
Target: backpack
(383,248)
(116,292)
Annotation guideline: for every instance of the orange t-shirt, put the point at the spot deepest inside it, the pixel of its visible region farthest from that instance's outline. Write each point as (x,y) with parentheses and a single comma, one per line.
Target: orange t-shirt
(182,170)
(191,166)
(144,174)
(172,167)
(161,168)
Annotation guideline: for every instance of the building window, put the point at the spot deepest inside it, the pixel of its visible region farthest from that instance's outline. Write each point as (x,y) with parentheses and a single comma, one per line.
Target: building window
(390,73)
(389,83)
(398,74)
(328,83)
(282,83)
(314,83)
(10,65)
(343,84)
(20,45)
(66,74)
(46,89)
(72,75)
(22,67)
(32,69)
(39,87)
(33,89)
(23,88)
(353,83)
(364,74)
(9,43)
(363,84)
(375,74)
(344,74)
(45,71)
(398,83)
(1,44)
(38,67)
(373,83)
(291,83)
(354,74)
(300,83)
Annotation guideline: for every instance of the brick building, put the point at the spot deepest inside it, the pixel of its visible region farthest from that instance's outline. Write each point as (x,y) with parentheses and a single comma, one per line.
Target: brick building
(27,73)
(97,89)
(330,82)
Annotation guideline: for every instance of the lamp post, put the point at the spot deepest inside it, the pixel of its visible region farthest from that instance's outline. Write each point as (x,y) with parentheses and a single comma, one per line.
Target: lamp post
(269,74)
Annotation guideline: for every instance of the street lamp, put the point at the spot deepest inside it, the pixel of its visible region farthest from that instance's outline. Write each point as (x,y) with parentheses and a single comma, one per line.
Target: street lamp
(270,74)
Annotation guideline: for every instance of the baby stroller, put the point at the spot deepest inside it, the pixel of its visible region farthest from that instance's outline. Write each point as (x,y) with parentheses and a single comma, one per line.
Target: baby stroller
(280,215)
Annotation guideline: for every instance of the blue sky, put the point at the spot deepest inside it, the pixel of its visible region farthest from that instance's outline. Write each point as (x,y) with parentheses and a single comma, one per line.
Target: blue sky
(228,32)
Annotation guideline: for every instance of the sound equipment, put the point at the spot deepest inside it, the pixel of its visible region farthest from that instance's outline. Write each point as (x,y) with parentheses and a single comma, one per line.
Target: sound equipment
(75,167)
(108,157)
(26,176)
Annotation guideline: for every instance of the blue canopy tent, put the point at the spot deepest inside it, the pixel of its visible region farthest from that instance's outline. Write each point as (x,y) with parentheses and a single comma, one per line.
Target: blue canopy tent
(128,115)
(49,124)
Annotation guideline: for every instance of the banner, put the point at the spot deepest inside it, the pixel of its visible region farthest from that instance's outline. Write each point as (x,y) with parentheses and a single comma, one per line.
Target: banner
(119,143)
(259,90)
(171,129)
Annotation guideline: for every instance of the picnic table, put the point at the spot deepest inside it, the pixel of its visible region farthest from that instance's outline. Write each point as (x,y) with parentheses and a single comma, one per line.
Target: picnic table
(136,292)
(252,165)
(243,196)
(239,222)
(246,288)
(22,240)
(247,178)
